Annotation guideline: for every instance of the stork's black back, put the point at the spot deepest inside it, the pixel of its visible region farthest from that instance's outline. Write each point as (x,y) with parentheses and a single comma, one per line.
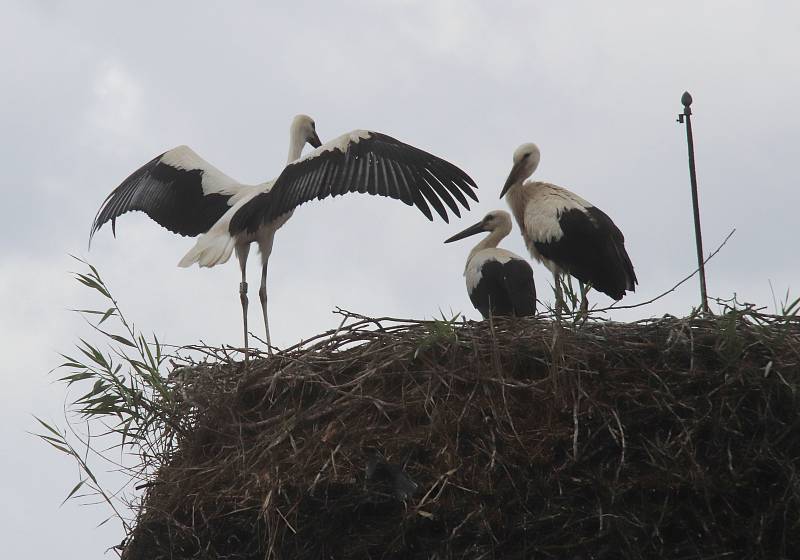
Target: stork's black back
(592,249)
(505,289)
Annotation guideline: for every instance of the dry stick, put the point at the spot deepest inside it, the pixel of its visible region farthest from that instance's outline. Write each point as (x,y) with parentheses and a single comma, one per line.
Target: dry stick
(363,320)
(622,438)
(338,329)
(467,518)
(575,427)
(673,288)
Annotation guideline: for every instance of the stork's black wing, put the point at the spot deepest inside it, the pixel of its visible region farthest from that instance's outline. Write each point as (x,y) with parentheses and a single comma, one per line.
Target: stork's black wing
(366,162)
(505,289)
(518,276)
(178,189)
(592,249)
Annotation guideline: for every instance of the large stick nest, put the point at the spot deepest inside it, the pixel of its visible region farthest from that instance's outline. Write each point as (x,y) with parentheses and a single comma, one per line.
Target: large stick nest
(661,439)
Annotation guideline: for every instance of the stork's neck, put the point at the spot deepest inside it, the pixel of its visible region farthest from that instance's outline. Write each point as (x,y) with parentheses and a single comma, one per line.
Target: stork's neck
(515,197)
(490,241)
(296,143)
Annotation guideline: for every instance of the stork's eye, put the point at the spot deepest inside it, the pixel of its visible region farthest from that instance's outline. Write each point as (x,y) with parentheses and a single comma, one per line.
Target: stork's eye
(525,155)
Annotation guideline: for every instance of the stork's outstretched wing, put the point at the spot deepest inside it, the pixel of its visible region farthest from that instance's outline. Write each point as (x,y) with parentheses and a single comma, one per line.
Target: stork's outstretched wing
(366,162)
(178,189)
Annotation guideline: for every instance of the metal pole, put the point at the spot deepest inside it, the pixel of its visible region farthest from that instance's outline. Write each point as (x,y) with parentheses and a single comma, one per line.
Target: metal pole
(686,116)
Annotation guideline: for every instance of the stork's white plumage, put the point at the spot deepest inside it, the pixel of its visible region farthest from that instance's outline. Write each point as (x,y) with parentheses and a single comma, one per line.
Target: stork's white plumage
(565,232)
(499,282)
(187,195)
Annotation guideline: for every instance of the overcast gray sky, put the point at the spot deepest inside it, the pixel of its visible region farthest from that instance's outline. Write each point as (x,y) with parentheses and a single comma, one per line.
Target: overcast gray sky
(92,90)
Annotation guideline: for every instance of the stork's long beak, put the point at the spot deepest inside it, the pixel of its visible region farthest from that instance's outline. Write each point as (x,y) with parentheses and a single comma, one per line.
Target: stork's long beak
(314,140)
(471,230)
(513,177)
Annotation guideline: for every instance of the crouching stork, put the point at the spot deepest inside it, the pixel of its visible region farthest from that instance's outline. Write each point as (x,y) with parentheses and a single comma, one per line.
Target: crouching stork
(498,281)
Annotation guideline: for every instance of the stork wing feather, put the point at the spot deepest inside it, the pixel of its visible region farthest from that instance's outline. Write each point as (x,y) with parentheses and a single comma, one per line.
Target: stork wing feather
(592,249)
(521,287)
(365,162)
(178,189)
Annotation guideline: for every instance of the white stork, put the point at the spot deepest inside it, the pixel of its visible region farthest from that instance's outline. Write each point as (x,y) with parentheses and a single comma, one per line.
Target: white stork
(188,196)
(567,233)
(499,282)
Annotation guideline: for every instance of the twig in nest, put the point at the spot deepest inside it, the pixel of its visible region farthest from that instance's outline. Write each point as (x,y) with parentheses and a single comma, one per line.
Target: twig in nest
(673,288)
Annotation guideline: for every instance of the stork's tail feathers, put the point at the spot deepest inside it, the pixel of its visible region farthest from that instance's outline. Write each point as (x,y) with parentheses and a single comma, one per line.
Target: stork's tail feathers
(627,267)
(624,275)
(211,249)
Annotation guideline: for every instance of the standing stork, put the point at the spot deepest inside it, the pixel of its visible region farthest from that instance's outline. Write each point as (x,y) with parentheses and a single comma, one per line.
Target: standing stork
(499,282)
(188,196)
(567,233)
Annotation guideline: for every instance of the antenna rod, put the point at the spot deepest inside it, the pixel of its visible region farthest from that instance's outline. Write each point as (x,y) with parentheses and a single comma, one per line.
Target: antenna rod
(686,116)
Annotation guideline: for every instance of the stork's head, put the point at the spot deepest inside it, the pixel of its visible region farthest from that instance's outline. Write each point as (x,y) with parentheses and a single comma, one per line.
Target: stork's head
(303,127)
(526,160)
(493,221)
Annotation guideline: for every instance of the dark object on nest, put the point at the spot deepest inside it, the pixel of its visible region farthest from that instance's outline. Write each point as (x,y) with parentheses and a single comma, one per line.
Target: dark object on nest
(383,473)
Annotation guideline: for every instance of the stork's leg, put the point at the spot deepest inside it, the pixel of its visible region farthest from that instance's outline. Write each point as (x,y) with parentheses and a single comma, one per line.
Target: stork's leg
(265,240)
(559,296)
(262,293)
(584,312)
(241,254)
(559,306)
